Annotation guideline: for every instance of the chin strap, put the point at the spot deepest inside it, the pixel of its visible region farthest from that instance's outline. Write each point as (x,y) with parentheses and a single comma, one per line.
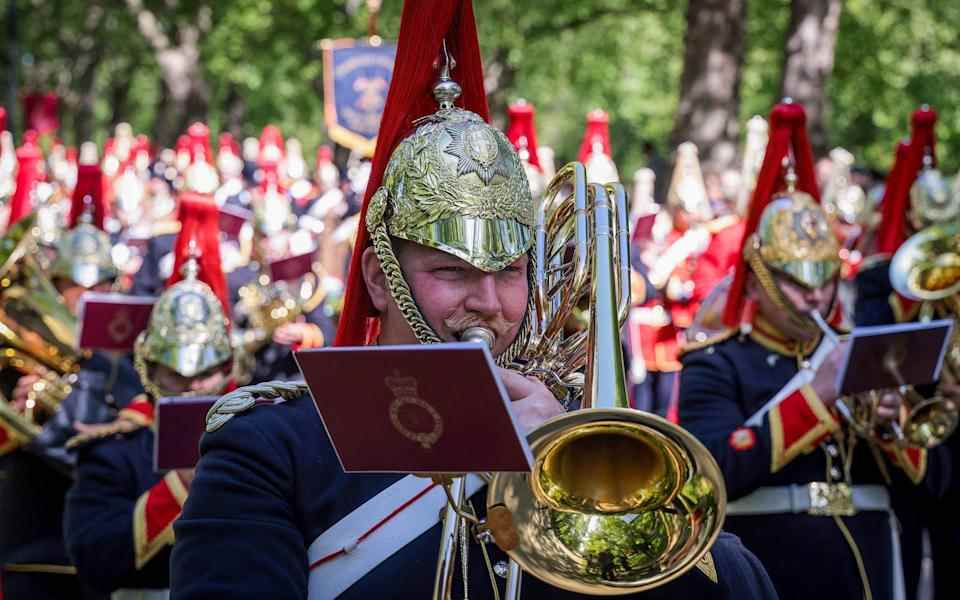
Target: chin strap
(797,319)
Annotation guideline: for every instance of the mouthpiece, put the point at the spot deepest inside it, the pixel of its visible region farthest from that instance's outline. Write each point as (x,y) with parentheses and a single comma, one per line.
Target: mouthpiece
(478,334)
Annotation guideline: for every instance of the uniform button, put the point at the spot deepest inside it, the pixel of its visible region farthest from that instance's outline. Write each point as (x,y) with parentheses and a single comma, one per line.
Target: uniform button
(711,350)
(832,451)
(772,359)
(501,568)
(834,473)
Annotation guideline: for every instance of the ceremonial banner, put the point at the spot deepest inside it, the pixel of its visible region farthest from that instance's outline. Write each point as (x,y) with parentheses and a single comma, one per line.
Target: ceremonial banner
(356,77)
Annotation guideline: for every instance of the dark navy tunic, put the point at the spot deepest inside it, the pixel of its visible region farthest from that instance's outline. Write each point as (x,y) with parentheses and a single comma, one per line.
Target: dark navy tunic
(34,482)
(725,383)
(269,483)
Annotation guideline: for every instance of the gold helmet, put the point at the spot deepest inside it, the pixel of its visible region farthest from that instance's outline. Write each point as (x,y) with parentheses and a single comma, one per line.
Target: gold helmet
(457,185)
(794,238)
(84,252)
(931,199)
(189,330)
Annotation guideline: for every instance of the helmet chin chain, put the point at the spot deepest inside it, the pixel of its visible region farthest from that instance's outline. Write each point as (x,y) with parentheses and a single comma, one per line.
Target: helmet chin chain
(796,319)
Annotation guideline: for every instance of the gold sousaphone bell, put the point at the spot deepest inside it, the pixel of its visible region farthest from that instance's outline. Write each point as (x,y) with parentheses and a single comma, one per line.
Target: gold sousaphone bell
(926,268)
(619,501)
(37,330)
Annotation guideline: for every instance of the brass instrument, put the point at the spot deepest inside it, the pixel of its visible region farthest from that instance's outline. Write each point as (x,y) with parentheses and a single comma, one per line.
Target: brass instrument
(926,268)
(619,501)
(37,331)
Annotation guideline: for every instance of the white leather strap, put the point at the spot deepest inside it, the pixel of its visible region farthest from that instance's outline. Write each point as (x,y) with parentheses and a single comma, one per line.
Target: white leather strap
(140,594)
(796,499)
(349,559)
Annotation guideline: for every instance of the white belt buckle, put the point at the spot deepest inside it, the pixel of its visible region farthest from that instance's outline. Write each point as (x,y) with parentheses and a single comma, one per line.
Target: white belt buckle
(831,499)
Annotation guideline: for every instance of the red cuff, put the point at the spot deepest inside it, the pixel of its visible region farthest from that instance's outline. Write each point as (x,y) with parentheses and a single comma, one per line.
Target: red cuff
(10,438)
(904,309)
(153,517)
(798,424)
(912,461)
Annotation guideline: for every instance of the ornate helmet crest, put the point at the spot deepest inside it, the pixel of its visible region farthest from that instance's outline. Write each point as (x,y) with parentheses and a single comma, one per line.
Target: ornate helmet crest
(454,184)
(795,238)
(189,326)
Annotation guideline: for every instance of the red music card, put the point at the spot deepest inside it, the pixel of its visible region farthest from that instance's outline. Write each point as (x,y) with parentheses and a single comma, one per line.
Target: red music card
(232,219)
(435,408)
(180,424)
(293,267)
(888,356)
(112,321)
(643,227)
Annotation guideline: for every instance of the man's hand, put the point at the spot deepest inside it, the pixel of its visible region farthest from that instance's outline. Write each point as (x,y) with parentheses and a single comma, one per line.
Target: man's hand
(888,407)
(825,381)
(289,334)
(532,401)
(22,391)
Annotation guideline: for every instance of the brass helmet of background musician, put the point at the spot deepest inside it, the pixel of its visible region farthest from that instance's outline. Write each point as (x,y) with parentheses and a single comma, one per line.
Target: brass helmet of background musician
(931,199)
(794,238)
(84,252)
(457,185)
(842,199)
(687,191)
(188,331)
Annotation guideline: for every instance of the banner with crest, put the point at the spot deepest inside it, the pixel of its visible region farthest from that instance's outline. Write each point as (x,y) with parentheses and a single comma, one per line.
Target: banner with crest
(356,78)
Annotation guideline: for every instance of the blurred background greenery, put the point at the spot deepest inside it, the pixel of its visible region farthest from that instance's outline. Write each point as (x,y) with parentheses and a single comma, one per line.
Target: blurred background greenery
(240,64)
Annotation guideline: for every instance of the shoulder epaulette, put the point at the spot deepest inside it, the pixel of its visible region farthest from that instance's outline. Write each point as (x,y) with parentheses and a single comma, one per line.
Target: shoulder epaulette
(243,399)
(703,340)
(98,432)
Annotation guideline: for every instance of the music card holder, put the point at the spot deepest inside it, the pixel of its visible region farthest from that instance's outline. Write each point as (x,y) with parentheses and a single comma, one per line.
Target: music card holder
(643,227)
(889,356)
(233,218)
(112,321)
(433,408)
(292,267)
(180,423)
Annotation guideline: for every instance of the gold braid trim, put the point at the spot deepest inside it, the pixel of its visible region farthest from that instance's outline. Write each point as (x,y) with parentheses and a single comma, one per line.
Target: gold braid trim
(243,399)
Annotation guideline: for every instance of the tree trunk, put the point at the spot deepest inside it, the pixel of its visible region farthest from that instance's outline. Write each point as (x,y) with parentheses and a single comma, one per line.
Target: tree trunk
(708,110)
(808,62)
(185,91)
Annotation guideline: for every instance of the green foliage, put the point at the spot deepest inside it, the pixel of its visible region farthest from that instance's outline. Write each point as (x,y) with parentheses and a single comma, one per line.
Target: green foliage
(261,64)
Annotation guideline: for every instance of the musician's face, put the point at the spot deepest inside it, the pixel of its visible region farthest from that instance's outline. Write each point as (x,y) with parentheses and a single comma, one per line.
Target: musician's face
(169,381)
(451,294)
(803,299)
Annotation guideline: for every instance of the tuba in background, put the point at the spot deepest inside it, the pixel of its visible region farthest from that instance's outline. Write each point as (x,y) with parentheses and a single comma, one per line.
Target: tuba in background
(37,331)
(926,268)
(619,501)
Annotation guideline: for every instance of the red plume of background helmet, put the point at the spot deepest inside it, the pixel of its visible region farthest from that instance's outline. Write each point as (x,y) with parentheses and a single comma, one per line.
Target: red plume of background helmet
(324,155)
(200,223)
(199,135)
(906,167)
(90,184)
(41,112)
(424,25)
(29,160)
(521,131)
(228,142)
(788,130)
(3,119)
(597,130)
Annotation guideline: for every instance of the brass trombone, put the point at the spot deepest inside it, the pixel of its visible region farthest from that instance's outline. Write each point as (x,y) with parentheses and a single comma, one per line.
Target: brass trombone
(619,501)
